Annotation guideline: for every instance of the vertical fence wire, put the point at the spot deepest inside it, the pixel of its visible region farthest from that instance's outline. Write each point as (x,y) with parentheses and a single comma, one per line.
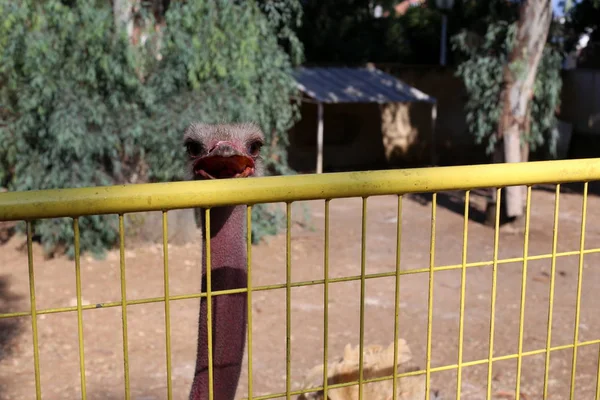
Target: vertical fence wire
(326,301)
(209,314)
(79,309)
(463,279)
(34,328)
(165,233)
(430,298)
(551,291)
(397,297)
(598,377)
(124,305)
(578,299)
(288,302)
(249,294)
(523,293)
(363,265)
(493,294)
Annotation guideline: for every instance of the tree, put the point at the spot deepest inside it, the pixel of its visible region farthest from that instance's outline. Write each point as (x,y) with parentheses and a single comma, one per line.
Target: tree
(518,89)
(84,106)
(512,101)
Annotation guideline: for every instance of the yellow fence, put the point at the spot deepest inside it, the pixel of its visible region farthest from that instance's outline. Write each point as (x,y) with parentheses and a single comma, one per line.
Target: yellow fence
(120,200)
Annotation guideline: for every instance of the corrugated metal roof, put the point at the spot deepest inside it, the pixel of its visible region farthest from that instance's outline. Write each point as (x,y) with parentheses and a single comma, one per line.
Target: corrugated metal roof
(356,85)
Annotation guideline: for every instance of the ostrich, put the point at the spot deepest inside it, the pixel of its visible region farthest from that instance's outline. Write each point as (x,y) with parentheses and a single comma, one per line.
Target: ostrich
(215,152)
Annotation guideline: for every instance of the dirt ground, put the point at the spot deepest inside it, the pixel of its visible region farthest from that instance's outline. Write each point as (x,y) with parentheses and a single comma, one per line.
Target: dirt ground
(55,287)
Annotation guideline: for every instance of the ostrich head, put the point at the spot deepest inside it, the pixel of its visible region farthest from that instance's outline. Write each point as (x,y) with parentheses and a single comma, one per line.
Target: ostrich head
(223,151)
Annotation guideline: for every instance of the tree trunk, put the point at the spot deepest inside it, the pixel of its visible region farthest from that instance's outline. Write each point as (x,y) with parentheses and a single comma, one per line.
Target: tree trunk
(127,17)
(490,211)
(123,15)
(519,78)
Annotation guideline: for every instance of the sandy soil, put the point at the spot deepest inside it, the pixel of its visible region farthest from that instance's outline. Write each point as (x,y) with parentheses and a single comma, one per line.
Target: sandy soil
(55,287)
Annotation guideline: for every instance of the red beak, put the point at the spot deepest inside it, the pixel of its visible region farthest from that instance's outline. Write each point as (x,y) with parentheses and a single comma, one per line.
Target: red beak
(224,161)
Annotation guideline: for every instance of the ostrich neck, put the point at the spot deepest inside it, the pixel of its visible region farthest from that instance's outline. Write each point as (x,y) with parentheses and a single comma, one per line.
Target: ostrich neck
(228,271)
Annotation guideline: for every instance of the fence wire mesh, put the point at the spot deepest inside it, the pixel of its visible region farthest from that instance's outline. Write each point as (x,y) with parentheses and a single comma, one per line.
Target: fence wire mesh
(75,203)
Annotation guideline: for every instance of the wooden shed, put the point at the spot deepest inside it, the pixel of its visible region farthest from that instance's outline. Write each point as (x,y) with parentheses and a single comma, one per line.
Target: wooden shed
(341,116)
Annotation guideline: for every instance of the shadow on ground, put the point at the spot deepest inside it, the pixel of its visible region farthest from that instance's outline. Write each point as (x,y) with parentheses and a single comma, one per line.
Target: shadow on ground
(455,202)
(577,187)
(9,327)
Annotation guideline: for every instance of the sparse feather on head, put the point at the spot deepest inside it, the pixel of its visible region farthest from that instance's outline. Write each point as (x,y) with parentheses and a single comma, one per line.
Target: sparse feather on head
(235,142)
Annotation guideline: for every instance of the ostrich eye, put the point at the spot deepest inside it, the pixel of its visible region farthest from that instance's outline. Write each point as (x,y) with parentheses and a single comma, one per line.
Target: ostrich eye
(193,148)
(254,147)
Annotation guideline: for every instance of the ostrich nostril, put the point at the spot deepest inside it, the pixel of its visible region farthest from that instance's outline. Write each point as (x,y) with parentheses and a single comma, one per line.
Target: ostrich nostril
(224,149)
(221,144)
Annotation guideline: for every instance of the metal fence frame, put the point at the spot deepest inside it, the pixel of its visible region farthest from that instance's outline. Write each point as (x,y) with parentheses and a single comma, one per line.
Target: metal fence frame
(163,197)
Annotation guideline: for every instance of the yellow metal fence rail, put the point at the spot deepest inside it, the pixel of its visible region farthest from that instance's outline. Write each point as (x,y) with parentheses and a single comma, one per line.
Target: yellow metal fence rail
(162,197)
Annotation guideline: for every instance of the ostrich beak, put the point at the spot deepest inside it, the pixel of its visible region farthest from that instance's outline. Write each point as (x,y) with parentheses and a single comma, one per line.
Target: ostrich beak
(224,160)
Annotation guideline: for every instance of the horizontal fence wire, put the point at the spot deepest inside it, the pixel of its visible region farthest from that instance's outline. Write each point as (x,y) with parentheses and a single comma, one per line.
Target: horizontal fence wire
(443,368)
(74,203)
(314,282)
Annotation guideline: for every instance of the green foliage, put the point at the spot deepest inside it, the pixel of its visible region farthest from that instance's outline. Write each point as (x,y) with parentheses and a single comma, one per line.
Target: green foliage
(84,107)
(482,75)
(285,16)
(484,50)
(548,86)
(72,101)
